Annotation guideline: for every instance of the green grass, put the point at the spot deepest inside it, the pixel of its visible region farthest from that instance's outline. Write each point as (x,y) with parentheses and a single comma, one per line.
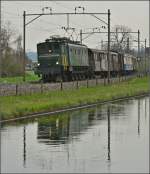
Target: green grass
(30,76)
(16,106)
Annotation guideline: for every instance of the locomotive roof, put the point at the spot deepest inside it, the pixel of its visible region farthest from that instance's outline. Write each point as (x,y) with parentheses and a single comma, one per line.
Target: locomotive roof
(62,40)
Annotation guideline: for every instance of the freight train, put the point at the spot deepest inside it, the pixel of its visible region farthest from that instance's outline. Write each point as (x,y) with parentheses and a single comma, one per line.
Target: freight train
(60,58)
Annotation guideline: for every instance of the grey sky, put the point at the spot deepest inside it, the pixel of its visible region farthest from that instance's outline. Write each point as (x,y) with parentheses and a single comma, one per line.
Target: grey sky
(133,14)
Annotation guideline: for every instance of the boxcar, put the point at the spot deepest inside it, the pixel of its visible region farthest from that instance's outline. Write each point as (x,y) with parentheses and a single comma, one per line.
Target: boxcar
(114,64)
(100,62)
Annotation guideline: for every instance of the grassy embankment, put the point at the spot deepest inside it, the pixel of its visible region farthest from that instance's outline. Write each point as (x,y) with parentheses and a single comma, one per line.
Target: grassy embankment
(17,106)
(30,77)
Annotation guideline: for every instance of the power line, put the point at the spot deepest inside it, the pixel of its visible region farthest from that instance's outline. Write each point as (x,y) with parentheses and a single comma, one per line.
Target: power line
(99,19)
(68,8)
(51,23)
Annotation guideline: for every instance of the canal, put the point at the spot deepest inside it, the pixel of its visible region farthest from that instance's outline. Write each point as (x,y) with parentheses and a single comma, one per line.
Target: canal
(110,138)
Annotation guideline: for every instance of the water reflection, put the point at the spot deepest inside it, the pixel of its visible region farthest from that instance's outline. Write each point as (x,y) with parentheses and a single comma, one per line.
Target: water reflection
(24,146)
(80,141)
(138,117)
(63,128)
(108,115)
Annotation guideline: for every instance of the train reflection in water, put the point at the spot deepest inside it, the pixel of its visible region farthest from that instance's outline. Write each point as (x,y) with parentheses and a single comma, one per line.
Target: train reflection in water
(80,141)
(62,128)
(68,126)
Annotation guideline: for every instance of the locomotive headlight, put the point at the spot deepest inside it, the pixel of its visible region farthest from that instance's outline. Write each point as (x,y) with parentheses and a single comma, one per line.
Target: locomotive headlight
(38,64)
(57,63)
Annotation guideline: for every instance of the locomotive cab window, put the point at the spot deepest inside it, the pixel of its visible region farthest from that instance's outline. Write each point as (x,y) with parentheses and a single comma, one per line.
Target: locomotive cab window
(48,48)
(43,48)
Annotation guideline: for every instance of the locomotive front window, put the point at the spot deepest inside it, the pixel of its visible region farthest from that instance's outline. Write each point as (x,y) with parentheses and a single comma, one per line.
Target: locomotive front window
(43,48)
(48,48)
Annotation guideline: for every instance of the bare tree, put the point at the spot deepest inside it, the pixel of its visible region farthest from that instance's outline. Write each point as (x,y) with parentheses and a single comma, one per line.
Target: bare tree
(6,35)
(11,58)
(121,37)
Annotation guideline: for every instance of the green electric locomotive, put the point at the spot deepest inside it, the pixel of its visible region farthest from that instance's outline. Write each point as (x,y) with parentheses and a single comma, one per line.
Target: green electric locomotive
(62,59)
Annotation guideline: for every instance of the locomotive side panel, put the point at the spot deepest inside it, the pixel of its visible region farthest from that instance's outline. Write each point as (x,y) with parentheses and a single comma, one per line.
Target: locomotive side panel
(78,55)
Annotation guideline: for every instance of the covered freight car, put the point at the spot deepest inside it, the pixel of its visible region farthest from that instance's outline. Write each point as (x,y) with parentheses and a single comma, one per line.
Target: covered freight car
(129,62)
(99,62)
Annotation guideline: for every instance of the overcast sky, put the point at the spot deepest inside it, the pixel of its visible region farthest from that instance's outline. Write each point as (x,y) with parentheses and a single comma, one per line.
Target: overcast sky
(133,14)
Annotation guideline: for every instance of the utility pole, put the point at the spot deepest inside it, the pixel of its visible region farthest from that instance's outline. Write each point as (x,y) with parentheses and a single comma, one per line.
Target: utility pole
(108,57)
(101,44)
(145,58)
(128,45)
(108,125)
(24,43)
(24,146)
(0,44)
(139,52)
(81,36)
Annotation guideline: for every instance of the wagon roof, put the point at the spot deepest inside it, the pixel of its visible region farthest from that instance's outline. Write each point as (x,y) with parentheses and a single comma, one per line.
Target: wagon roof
(102,51)
(97,50)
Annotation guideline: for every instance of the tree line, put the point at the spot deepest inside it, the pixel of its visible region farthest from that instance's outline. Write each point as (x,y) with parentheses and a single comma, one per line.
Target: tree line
(11,52)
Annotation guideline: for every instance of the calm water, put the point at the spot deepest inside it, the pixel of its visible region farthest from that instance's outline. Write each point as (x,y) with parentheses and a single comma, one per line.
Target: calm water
(104,139)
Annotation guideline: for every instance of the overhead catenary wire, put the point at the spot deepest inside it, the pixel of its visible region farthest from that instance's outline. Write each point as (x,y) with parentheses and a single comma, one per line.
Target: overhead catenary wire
(52,23)
(99,19)
(47,22)
(41,20)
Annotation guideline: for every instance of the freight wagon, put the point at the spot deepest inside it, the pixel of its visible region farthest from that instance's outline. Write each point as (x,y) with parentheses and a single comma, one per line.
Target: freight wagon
(100,62)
